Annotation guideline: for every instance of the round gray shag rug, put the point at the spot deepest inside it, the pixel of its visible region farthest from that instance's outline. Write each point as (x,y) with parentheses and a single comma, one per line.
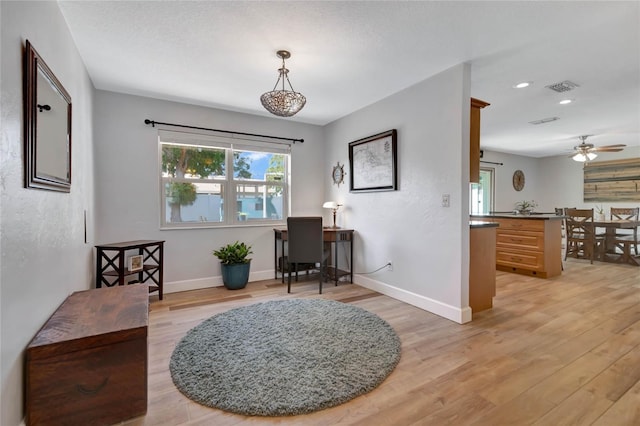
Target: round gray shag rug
(284,357)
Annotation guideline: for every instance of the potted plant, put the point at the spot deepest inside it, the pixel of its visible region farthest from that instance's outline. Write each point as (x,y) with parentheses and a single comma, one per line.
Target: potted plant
(525,206)
(234,264)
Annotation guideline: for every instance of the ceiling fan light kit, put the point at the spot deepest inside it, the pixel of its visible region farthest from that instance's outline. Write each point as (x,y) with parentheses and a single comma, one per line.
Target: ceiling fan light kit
(282,102)
(587,151)
(584,157)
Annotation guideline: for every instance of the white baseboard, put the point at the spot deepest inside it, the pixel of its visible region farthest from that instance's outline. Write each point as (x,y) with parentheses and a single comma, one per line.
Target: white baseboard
(449,312)
(208,282)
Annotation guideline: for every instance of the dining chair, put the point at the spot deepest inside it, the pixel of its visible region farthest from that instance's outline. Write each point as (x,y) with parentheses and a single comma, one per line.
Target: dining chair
(582,241)
(622,237)
(561,211)
(305,246)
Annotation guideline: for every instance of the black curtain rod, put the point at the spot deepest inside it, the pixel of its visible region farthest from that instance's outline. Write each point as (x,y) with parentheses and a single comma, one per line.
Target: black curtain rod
(492,162)
(153,124)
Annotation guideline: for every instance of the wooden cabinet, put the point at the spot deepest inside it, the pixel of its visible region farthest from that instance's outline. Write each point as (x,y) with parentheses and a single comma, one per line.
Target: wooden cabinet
(88,364)
(482,265)
(112,269)
(531,246)
(474,140)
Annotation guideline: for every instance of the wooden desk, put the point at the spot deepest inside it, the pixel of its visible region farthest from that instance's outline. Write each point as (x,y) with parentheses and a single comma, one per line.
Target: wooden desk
(610,227)
(331,236)
(88,363)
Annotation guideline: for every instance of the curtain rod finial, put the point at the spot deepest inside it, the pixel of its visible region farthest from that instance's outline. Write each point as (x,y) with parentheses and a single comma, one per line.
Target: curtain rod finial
(147,121)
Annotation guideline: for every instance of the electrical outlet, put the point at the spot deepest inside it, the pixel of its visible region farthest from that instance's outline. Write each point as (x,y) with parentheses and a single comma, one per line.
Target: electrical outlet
(445,200)
(389,266)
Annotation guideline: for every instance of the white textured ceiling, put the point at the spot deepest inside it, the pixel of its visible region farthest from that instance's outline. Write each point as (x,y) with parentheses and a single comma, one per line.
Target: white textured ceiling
(349,54)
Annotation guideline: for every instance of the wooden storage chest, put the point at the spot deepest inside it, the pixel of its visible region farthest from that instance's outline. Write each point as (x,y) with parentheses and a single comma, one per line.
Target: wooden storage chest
(88,363)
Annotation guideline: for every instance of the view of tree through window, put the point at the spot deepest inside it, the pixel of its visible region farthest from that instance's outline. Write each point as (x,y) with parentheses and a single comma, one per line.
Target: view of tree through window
(198,190)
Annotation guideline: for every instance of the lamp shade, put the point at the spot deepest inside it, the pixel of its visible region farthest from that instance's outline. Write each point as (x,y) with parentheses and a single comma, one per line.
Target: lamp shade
(283,102)
(330,205)
(584,157)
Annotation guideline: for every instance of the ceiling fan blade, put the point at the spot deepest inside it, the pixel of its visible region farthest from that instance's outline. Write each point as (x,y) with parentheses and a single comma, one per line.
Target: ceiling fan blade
(605,149)
(613,146)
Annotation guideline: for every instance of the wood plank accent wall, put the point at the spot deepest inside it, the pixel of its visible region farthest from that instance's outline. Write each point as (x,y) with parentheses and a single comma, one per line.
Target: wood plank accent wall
(617,180)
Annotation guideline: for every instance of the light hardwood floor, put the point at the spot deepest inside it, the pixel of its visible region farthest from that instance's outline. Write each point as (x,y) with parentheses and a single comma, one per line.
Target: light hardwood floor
(562,351)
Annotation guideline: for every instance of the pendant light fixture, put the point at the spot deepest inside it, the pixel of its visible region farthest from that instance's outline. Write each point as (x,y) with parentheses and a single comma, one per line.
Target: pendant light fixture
(282,102)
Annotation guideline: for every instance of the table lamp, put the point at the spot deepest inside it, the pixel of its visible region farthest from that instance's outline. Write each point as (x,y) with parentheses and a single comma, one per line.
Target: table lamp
(333,206)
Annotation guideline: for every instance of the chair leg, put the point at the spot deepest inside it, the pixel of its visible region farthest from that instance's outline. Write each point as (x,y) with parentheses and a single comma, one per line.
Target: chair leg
(289,279)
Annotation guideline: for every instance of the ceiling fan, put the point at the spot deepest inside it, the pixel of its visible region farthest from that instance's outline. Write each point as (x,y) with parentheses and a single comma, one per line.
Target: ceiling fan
(587,151)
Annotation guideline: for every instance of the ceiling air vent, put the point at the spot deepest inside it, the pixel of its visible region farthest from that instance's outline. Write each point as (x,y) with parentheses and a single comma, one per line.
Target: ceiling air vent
(563,86)
(545,120)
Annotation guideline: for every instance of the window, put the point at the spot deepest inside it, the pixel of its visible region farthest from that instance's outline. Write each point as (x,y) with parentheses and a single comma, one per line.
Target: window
(482,193)
(214,181)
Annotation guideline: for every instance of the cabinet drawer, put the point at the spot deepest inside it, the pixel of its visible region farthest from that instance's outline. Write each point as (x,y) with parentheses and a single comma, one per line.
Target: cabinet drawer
(520,259)
(98,386)
(527,240)
(521,225)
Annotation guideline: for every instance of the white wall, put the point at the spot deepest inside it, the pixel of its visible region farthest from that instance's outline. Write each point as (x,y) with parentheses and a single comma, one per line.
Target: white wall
(427,243)
(505,196)
(127,184)
(43,254)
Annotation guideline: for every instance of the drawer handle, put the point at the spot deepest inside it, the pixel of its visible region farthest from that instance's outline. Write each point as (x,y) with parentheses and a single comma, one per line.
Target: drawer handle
(86,391)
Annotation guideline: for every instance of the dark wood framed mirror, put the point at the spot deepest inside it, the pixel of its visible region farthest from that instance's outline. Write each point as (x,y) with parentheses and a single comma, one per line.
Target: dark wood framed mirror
(47,127)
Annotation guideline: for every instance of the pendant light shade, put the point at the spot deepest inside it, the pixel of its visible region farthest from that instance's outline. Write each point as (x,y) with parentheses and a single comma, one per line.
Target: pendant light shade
(282,102)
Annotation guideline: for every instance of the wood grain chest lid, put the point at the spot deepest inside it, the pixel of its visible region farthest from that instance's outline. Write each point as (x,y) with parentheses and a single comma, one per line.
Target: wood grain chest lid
(93,318)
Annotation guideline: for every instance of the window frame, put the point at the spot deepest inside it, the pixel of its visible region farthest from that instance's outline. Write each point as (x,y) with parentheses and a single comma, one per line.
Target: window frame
(229,183)
(489,193)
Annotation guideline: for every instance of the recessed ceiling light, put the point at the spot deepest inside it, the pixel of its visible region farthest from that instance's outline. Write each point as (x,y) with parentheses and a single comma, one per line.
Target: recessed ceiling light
(565,101)
(522,85)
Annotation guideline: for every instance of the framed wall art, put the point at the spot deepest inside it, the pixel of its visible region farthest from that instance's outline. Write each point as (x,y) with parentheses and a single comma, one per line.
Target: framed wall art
(373,163)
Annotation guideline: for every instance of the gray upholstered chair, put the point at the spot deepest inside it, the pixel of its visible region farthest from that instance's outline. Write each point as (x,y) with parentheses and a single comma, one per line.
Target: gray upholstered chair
(305,246)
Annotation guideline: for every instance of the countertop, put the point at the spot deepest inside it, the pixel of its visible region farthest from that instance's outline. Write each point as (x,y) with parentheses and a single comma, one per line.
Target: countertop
(532,216)
(481,224)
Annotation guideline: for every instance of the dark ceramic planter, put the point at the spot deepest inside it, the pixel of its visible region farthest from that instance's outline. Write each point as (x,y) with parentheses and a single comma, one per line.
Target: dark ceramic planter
(236,276)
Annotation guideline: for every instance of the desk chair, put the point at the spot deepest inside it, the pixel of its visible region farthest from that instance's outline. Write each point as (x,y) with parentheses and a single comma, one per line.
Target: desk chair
(305,245)
(582,241)
(624,240)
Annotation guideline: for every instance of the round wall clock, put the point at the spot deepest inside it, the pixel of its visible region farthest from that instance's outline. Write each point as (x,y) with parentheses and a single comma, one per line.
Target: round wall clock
(338,174)
(518,180)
